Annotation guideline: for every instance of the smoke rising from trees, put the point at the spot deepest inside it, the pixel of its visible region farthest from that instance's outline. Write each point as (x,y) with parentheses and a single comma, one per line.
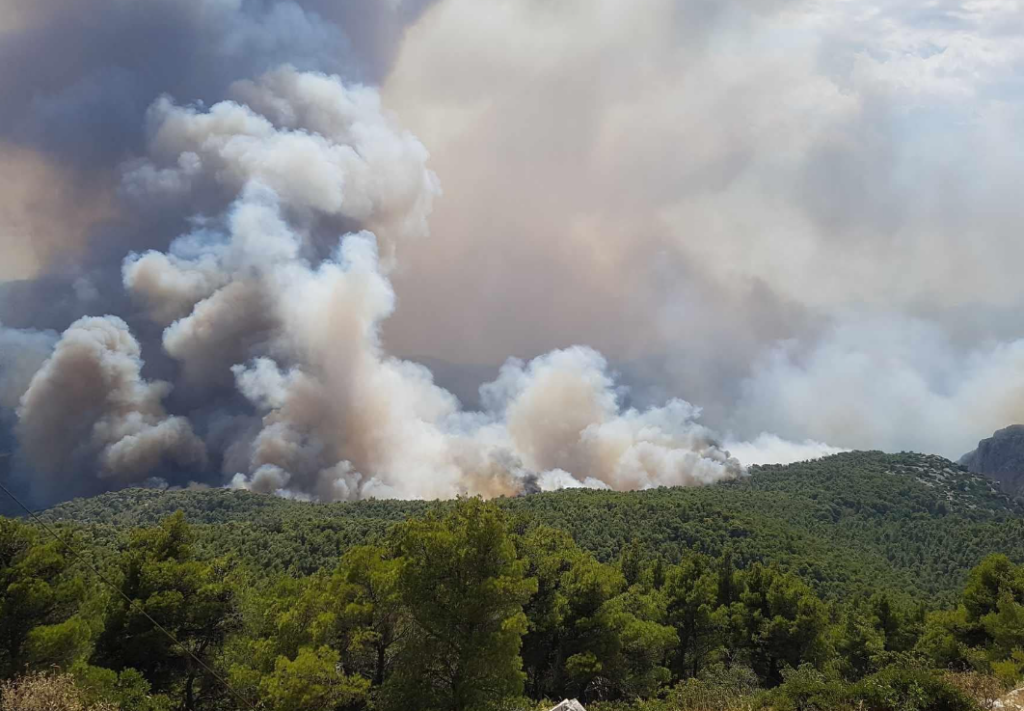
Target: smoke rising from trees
(225,212)
(273,333)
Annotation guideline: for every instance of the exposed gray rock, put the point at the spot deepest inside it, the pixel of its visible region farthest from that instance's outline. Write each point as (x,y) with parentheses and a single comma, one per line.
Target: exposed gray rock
(1001,458)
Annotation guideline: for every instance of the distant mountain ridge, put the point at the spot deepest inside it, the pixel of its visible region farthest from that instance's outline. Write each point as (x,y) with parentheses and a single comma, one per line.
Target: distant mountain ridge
(1000,457)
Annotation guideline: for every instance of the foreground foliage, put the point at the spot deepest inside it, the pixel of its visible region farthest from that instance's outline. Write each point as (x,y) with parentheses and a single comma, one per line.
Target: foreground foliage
(471,605)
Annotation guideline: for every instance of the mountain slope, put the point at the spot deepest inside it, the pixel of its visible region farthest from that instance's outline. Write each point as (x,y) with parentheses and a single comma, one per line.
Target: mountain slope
(1000,457)
(849,523)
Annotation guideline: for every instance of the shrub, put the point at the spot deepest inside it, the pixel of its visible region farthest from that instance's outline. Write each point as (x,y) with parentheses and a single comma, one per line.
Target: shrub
(807,689)
(717,688)
(1010,671)
(911,689)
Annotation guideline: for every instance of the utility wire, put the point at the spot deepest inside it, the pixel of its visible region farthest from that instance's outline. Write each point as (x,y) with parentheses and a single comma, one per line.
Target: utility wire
(131,603)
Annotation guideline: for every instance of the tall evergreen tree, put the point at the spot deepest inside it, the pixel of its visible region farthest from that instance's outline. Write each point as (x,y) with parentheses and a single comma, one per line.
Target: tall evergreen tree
(464,588)
(190,599)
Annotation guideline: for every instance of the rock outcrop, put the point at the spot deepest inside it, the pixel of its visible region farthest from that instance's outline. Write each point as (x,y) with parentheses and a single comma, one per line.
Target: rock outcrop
(1001,458)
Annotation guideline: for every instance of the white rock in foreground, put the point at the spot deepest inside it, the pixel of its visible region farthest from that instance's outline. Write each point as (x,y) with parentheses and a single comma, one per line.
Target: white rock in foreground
(569,705)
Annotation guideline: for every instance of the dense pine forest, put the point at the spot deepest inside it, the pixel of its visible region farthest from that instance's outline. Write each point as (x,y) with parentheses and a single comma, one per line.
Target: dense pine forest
(860,581)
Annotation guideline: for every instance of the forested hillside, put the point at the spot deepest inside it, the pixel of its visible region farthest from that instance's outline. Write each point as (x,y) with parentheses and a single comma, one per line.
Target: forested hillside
(864,581)
(913,523)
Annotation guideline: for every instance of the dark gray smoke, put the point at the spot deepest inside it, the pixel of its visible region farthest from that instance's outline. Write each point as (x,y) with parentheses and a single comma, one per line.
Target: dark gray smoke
(78,81)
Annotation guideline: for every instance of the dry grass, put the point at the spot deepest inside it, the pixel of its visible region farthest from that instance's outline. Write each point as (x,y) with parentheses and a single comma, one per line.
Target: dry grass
(46,692)
(983,688)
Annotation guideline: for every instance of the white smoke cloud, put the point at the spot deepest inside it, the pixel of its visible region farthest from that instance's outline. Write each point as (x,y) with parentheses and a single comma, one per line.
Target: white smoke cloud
(88,407)
(888,383)
(561,411)
(558,479)
(768,448)
(169,288)
(341,419)
(319,145)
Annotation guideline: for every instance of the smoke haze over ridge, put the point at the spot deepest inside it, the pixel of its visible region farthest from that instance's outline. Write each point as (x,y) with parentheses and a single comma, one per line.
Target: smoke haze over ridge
(800,215)
(217,232)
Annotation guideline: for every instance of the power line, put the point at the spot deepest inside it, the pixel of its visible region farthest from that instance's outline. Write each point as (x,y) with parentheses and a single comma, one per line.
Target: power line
(131,603)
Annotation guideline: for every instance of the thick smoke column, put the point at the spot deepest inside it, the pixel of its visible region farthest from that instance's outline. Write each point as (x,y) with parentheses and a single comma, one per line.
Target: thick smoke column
(339,418)
(208,302)
(80,89)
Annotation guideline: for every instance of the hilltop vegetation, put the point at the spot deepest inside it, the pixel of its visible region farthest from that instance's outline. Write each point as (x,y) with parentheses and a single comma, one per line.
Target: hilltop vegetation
(863,581)
(911,523)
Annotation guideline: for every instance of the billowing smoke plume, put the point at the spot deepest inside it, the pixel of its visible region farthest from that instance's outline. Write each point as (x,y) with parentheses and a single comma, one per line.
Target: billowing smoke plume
(272,327)
(337,417)
(80,94)
(801,216)
(89,409)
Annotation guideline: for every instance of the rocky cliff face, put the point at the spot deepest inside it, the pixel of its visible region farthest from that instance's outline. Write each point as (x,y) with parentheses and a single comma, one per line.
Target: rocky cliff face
(1000,457)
